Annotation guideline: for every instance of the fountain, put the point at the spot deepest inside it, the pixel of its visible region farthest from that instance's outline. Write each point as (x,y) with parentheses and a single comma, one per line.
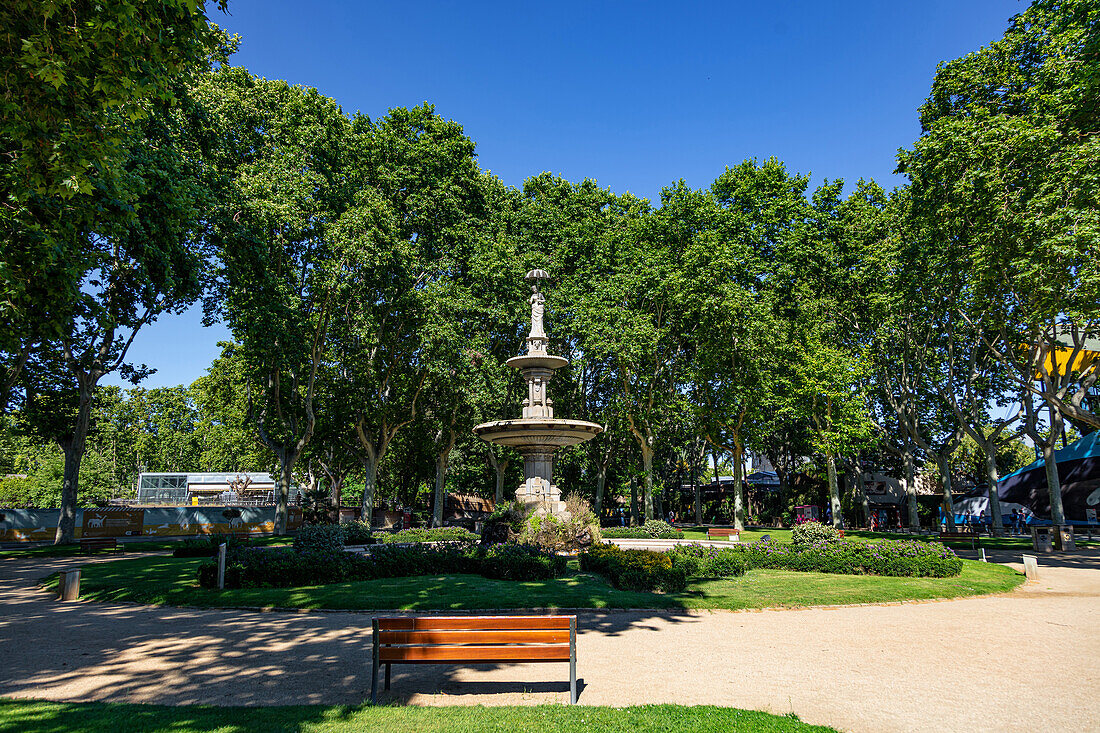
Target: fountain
(538,433)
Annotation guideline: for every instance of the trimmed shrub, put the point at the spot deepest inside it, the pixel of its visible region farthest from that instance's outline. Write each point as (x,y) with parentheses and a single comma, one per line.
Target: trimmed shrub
(658,529)
(521,562)
(640,570)
(711,562)
(437,534)
(812,533)
(357,532)
(639,533)
(327,538)
(896,558)
(208,546)
(395,561)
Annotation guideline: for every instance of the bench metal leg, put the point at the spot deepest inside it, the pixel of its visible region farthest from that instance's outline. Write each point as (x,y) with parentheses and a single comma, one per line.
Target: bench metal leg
(573,661)
(374,664)
(387,676)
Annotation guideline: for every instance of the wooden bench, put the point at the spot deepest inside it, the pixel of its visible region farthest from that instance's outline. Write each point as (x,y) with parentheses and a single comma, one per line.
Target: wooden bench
(474,640)
(731,534)
(88,544)
(971,537)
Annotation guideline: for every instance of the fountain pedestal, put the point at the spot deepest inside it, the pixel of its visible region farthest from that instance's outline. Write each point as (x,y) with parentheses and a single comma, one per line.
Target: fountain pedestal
(538,434)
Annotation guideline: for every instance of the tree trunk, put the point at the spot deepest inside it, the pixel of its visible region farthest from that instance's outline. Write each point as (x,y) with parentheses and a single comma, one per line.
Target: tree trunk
(834,491)
(601,484)
(992,477)
(698,503)
(499,468)
(717,475)
(859,492)
(911,489)
(948,501)
(738,491)
(70,482)
(287,458)
(440,480)
(647,487)
(370,478)
(633,501)
(1054,484)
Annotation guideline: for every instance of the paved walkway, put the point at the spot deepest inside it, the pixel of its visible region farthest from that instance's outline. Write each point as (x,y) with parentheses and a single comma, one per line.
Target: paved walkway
(998,663)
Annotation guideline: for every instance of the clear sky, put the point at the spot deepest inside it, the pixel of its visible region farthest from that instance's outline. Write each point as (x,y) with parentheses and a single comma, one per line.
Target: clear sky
(635,95)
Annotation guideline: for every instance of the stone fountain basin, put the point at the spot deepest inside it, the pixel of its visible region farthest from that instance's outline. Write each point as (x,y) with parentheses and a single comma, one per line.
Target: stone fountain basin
(537,361)
(537,432)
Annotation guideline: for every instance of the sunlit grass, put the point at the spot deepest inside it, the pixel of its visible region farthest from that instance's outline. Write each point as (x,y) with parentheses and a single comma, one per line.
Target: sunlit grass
(28,716)
(172,581)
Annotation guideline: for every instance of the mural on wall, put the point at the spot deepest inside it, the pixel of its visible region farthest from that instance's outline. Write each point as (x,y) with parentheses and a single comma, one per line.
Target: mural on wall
(40,525)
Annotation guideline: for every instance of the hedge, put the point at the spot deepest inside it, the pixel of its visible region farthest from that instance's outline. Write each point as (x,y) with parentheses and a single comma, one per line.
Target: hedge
(436,534)
(642,570)
(284,567)
(895,558)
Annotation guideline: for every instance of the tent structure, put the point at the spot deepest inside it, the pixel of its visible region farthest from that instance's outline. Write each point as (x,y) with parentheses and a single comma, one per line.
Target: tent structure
(1078,473)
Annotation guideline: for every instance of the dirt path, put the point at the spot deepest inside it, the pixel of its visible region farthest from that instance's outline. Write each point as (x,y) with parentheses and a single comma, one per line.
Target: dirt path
(996,664)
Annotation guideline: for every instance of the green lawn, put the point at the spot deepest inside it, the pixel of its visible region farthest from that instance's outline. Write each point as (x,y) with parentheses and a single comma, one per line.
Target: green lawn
(171,581)
(137,546)
(26,716)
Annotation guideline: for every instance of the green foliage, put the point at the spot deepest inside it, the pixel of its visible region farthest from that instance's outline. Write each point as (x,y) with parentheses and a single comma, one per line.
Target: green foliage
(208,546)
(435,534)
(812,533)
(907,558)
(577,531)
(639,570)
(651,531)
(710,562)
(505,523)
(319,561)
(357,532)
(320,538)
(512,561)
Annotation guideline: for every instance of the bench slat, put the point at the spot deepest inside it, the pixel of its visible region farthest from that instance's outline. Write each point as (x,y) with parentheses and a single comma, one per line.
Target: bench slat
(473,654)
(452,636)
(488,623)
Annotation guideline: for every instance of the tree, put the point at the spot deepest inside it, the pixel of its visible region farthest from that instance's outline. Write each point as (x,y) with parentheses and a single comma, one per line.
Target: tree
(1003,171)
(79,82)
(284,188)
(409,237)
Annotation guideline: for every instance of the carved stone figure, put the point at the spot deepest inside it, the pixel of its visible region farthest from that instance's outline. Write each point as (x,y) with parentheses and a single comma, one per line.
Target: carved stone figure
(538,309)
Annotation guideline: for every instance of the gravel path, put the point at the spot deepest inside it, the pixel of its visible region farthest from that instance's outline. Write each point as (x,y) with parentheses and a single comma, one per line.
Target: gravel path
(996,663)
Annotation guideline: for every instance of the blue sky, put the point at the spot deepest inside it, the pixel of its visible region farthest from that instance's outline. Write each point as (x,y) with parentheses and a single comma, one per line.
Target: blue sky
(633,95)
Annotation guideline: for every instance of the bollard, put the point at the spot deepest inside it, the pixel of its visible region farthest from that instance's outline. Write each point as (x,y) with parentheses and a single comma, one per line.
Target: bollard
(1031,567)
(70,584)
(221,566)
(982,558)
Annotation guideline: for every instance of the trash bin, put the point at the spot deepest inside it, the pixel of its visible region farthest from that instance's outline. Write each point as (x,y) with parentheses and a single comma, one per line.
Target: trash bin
(1041,539)
(1063,538)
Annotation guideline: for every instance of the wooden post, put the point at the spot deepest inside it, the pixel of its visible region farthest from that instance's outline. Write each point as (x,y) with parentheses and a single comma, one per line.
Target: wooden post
(221,566)
(573,660)
(70,584)
(1031,567)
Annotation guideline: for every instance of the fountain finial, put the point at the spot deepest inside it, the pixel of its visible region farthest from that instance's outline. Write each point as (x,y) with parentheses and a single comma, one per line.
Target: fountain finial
(537,339)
